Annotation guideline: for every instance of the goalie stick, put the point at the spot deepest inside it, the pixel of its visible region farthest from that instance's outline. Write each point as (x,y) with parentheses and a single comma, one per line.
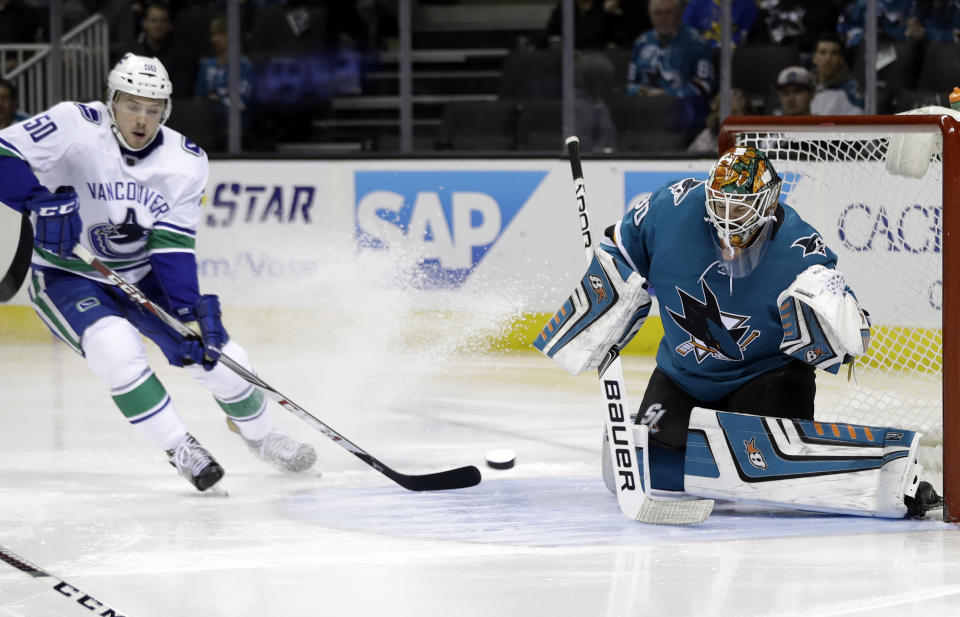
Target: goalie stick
(462,477)
(635,501)
(62,587)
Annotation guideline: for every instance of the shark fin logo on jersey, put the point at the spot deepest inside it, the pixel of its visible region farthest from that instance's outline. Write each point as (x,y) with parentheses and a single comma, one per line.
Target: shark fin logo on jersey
(811,245)
(754,455)
(123,239)
(681,189)
(442,222)
(713,333)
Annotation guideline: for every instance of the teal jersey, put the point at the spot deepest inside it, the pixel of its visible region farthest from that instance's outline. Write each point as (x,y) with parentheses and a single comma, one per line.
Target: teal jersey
(719,332)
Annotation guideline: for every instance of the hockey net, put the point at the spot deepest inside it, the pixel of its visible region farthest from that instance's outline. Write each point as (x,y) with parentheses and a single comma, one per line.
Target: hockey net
(883,193)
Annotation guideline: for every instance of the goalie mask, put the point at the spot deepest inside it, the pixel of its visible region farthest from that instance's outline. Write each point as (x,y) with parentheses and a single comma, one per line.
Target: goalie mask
(743,191)
(143,77)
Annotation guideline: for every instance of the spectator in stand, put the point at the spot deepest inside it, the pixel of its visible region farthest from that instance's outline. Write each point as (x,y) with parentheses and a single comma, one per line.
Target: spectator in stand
(795,91)
(704,17)
(837,93)
(794,22)
(9,114)
(903,20)
(597,24)
(672,59)
(212,76)
(706,140)
(156,41)
(935,20)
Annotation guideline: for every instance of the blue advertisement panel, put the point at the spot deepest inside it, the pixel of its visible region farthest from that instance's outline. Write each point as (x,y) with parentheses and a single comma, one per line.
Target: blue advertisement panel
(449,219)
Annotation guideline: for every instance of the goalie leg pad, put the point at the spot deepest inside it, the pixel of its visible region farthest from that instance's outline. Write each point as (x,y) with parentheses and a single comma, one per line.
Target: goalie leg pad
(805,465)
(606,309)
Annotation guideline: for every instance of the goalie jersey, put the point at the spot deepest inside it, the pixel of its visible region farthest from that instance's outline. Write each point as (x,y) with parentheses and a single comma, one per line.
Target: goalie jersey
(719,332)
(140,210)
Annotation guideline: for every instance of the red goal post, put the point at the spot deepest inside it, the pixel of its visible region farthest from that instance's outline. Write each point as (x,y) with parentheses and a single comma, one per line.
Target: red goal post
(884,191)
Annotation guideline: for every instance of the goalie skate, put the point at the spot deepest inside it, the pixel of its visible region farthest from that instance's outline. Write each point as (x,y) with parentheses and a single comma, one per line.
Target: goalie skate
(283,452)
(195,463)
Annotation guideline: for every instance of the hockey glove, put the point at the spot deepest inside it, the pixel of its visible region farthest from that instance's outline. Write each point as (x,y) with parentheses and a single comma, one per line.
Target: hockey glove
(606,309)
(58,224)
(204,318)
(823,324)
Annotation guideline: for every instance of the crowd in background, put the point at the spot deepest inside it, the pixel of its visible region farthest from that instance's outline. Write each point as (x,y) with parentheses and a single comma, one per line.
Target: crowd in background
(323,48)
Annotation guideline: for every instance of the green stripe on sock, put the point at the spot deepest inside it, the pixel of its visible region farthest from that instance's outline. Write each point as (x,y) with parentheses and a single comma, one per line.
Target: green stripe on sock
(244,408)
(141,399)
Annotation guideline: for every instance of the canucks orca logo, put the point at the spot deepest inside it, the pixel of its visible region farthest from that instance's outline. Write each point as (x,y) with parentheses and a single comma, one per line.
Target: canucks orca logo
(713,333)
(754,455)
(119,239)
(811,245)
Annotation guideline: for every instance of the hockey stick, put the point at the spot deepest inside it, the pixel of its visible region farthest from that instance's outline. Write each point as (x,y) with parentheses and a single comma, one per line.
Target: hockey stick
(462,477)
(13,279)
(634,492)
(60,586)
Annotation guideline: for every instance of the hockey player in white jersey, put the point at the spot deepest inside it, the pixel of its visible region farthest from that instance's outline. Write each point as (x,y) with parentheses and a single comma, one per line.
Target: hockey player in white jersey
(111,177)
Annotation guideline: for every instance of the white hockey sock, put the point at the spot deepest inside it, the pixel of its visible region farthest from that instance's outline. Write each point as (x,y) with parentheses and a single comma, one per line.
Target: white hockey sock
(242,402)
(115,352)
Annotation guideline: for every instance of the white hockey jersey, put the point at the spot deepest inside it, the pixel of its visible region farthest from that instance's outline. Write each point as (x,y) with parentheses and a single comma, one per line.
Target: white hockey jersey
(131,207)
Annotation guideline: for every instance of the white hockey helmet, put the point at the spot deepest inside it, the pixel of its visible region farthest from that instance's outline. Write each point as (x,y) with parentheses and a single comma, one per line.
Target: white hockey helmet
(139,76)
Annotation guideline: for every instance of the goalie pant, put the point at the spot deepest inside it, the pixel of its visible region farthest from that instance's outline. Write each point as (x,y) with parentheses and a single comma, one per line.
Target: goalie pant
(804,465)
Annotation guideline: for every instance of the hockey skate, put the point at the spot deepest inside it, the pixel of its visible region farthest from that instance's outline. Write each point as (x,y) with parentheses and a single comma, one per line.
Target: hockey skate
(195,463)
(926,499)
(283,452)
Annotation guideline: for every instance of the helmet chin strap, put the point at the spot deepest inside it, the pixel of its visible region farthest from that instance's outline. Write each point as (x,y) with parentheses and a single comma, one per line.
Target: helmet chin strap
(119,134)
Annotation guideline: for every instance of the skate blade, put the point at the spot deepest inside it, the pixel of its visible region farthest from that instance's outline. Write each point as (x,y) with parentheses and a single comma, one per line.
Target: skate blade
(217,490)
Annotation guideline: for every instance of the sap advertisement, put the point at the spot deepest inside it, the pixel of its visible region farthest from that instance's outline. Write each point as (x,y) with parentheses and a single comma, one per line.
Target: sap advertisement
(445,233)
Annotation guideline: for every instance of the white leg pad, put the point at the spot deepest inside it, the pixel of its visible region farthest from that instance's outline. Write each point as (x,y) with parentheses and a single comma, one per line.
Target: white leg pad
(114,351)
(823,467)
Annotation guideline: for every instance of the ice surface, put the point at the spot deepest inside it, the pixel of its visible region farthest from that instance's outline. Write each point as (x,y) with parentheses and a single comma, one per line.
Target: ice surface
(86,498)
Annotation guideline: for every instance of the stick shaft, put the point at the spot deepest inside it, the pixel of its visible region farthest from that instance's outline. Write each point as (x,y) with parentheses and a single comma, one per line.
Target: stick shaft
(62,587)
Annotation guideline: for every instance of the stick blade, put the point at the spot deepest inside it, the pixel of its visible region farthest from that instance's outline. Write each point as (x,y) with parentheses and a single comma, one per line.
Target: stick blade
(682,512)
(462,477)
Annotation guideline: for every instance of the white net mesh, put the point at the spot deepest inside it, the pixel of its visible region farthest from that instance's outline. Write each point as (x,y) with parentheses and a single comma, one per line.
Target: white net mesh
(886,230)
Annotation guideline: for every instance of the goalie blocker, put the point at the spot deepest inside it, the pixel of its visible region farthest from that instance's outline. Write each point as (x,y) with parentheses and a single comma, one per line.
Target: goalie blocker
(804,465)
(605,311)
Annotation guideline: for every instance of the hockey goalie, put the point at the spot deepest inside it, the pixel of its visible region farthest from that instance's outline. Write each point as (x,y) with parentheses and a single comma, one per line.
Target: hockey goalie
(753,304)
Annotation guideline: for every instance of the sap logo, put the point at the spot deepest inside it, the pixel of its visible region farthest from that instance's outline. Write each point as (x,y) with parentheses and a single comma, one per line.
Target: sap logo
(448,220)
(260,203)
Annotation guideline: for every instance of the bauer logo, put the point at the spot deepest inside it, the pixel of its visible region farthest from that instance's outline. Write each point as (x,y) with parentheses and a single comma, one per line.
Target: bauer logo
(445,221)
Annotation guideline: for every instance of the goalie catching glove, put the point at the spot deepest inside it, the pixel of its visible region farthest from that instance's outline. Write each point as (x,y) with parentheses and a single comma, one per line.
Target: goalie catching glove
(823,324)
(605,310)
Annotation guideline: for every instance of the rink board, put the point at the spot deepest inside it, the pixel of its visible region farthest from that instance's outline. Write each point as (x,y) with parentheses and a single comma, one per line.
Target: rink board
(442,239)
